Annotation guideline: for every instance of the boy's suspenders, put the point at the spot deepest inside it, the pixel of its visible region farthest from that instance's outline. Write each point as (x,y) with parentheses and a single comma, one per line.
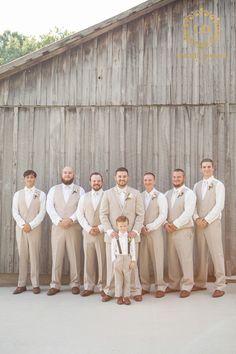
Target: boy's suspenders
(119,247)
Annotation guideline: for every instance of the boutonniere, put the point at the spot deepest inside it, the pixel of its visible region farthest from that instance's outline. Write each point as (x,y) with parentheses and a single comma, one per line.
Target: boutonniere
(129,239)
(74,191)
(154,195)
(210,186)
(129,196)
(180,194)
(36,194)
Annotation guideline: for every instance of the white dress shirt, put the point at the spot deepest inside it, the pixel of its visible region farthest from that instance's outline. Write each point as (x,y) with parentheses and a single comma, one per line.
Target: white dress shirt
(80,213)
(29,194)
(122,194)
(216,211)
(67,191)
(162,205)
(189,205)
(123,239)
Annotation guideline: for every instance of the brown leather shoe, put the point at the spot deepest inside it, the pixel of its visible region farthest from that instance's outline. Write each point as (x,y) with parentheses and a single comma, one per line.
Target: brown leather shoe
(86,292)
(197,288)
(75,290)
(106,298)
(126,301)
(184,293)
(159,294)
(169,290)
(120,300)
(144,292)
(36,290)
(138,298)
(102,293)
(19,290)
(52,291)
(218,293)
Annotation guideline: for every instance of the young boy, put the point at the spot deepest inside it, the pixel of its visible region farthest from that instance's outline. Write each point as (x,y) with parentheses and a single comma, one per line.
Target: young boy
(123,256)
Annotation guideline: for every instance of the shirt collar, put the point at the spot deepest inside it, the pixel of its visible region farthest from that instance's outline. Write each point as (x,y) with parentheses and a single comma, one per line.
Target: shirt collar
(68,186)
(178,190)
(121,190)
(123,234)
(208,180)
(97,192)
(32,190)
(150,193)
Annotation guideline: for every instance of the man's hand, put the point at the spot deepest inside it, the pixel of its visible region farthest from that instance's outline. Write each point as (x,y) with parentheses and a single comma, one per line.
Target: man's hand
(66,223)
(27,228)
(114,234)
(94,231)
(201,223)
(144,231)
(132,265)
(132,234)
(170,228)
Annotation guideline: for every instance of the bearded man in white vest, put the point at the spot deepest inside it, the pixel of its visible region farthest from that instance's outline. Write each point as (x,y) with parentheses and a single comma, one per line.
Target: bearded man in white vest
(179,227)
(93,241)
(28,210)
(210,194)
(127,201)
(62,203)
(151,256)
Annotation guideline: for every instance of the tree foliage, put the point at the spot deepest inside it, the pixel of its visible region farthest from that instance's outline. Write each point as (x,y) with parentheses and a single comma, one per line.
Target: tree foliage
(14,45)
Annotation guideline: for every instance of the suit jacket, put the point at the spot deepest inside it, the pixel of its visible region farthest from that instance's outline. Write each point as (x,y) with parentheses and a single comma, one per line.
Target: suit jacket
(111,208)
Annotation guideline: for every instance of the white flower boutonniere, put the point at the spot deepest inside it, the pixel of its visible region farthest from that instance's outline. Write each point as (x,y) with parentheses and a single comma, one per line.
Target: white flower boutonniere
(180,194)
(210,186)
(129,196)
(154,195)
(36,194)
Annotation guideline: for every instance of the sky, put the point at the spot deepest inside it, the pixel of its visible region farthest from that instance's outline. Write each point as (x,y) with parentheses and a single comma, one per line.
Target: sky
(38,17)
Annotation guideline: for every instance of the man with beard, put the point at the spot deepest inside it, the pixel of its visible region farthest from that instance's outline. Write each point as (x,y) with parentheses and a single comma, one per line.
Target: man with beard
(152,241)
(62,203)
(117,201)
(210,194)
(28,210)
(94,246)
(179,226)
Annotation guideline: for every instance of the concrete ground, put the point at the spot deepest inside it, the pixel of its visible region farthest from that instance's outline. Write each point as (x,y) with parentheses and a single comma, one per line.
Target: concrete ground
(70,324)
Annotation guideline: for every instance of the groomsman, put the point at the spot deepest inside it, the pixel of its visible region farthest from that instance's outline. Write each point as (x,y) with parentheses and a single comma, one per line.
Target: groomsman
(117,201)
(151,254)
(62,203)
(210,194)
(28,210)
(181,204)
(94,246)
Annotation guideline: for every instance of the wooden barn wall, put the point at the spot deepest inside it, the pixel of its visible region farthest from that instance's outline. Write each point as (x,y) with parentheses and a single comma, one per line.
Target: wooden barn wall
(137,63)
(154,139)
(123,98)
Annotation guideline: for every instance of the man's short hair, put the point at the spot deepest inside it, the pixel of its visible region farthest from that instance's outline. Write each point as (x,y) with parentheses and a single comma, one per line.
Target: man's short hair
(122,218)
(179,170)
(149,173)
(30,173)
(95,174)
(122,169)
(207,160)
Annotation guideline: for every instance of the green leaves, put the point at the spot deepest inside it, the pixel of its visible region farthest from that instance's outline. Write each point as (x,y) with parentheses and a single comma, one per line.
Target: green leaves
(14,45)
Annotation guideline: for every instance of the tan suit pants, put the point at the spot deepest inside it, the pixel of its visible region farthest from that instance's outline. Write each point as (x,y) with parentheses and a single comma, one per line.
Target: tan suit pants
(110,283)
(151,257)
(210,240)
(180,259)
(122,275)
(28,248)
(94,261)
(70,240)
